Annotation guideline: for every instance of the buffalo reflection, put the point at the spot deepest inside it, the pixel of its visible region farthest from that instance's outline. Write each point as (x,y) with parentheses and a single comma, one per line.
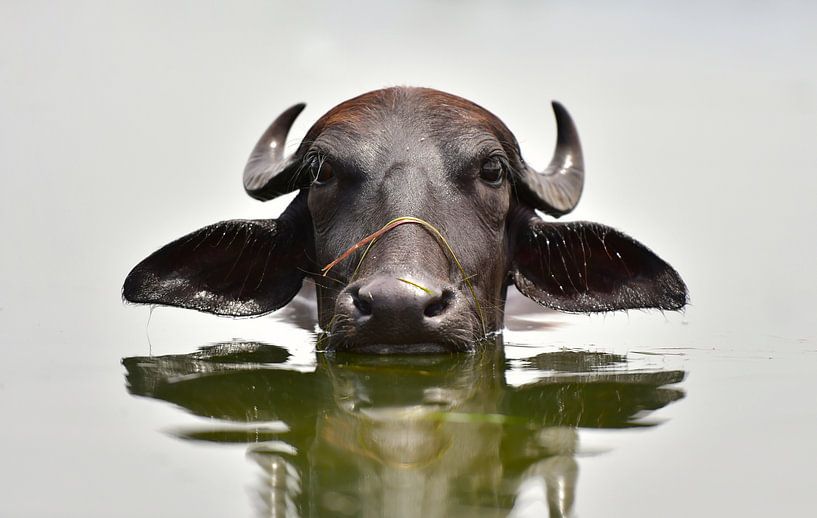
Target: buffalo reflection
(405,436)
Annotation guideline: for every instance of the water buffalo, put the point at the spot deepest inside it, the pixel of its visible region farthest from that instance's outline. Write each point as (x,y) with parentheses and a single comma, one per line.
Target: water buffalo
(415,211)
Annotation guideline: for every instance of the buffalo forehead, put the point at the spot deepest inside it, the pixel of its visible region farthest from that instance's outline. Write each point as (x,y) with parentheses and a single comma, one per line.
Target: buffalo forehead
(394,128)
(396,144)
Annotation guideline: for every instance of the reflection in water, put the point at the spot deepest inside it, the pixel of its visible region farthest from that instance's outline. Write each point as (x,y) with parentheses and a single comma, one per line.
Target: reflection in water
(405,436)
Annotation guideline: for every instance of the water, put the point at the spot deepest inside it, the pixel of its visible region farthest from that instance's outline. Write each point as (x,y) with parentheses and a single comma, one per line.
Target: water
(124,127)
(389,436)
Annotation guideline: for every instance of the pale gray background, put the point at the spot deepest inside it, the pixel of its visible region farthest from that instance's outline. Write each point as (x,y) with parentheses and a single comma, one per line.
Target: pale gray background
(125,126)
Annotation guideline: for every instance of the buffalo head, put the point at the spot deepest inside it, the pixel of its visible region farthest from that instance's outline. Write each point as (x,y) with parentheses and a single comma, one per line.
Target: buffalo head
(415,211)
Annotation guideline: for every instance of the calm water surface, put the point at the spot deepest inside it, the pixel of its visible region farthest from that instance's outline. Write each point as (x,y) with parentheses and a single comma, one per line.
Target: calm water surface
(256,428)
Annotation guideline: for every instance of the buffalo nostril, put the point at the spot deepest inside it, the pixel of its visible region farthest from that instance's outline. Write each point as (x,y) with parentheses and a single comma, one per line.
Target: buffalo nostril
(363,306)
(439,304)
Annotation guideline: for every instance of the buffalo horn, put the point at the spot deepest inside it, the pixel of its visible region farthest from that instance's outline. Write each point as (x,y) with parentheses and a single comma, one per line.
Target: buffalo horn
(267,174)
(557,189)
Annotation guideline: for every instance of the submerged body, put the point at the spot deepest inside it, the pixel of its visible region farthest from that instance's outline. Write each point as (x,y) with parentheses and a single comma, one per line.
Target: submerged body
(414,215)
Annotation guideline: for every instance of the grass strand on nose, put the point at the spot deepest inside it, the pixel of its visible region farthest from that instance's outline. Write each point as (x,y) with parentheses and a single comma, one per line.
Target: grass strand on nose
(371,238)
(419,287)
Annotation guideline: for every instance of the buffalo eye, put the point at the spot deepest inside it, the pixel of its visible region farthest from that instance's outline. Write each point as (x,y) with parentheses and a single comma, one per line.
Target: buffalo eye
(320,169)
(492,171)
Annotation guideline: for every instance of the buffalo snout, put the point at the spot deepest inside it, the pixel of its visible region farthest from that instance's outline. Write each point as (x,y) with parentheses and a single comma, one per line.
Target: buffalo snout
(391,313)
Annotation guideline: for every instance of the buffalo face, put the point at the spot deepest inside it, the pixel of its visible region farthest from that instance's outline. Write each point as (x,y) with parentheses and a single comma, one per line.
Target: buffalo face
(420,154)
(415,212)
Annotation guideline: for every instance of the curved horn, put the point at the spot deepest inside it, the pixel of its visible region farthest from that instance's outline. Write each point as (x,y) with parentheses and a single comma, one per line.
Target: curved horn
(267,174)
(557,189)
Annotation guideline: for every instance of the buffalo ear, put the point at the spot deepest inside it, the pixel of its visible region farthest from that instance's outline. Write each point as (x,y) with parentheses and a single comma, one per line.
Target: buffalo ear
(235,268)
(583,267)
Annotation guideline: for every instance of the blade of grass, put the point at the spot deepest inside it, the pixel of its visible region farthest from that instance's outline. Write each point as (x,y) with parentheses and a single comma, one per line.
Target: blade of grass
(416,285)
